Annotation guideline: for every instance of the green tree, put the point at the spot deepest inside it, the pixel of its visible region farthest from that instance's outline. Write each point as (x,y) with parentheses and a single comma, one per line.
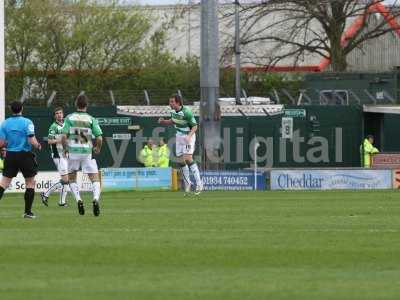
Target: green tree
(68,46)
(20,42)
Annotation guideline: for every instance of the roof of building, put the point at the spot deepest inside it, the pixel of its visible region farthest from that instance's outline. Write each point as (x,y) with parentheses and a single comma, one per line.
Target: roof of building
(226,110)
(382,109)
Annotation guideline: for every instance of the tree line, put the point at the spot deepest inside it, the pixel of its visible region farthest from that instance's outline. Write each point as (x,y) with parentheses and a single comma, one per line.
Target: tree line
(73,46)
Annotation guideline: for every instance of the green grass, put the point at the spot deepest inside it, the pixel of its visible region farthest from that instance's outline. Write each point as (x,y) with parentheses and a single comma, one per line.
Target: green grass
(223,245)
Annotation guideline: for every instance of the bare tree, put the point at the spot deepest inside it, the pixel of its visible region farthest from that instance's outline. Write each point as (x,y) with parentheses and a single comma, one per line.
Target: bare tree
(288,31)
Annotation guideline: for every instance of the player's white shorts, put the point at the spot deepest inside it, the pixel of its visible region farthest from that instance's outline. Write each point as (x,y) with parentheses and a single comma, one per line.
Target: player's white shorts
(183,146)
(86,163)
(61,165)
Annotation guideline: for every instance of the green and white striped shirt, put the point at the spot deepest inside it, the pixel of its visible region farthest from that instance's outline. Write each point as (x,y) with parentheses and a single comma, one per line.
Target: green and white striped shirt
(79,128)
(55,132)
(183,120)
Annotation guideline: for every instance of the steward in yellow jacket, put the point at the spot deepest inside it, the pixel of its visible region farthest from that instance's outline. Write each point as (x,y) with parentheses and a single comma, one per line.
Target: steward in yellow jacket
(146,155)
(162,154)
(367,149)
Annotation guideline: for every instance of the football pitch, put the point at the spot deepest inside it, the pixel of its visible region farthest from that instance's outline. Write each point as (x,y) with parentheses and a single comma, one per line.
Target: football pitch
(221,245)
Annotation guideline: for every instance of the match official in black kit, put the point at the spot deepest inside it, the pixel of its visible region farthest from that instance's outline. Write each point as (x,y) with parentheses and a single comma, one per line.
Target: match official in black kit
(17,134)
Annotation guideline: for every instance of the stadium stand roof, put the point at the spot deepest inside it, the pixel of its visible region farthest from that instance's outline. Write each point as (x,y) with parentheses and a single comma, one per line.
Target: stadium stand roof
(226,110)
(382,109)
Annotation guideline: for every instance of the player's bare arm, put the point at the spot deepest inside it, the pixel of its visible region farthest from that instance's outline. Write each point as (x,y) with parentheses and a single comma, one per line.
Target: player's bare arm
(192,132)
(64,143)
(34,142)
(166,122)
(99,143)
(54,141)
(2,143)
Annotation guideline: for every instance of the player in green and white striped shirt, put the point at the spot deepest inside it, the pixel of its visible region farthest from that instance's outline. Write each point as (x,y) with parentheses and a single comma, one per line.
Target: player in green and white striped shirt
(54,140)
(79,127)
(186,126)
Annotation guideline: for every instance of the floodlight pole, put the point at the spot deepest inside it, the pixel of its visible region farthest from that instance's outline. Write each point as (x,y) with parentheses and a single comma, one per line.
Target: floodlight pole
(210,125)
(237,53)
(2,63)
(256,145)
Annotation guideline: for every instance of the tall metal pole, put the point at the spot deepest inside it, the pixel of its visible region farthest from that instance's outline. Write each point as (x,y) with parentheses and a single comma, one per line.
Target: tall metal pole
(189,19)
(2,62)
(256,145)
(210,127)
(237,53)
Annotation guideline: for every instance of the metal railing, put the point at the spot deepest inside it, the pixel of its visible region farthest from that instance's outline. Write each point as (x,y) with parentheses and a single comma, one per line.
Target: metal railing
(326,96)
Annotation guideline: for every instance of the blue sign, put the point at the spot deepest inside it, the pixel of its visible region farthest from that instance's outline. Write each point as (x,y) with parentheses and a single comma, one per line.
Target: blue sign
(118,179)
(233,181)
(153,179)
(136,179)
(330,179)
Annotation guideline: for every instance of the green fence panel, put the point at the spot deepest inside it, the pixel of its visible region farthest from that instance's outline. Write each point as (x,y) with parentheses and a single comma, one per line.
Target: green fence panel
(338,127)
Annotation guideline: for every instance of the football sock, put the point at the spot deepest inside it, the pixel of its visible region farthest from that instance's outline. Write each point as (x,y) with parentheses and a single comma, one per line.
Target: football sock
(64,192)
(96,191)
(54,187)
(75,191)
(185,175)
(196,173)
(29,196)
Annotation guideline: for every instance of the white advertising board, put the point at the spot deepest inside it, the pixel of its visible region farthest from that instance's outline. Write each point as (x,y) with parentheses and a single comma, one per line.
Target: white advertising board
(44,180)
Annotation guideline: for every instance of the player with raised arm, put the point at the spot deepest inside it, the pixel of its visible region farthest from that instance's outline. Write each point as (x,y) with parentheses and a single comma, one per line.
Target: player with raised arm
(79,127)
(186,126)
(57,153)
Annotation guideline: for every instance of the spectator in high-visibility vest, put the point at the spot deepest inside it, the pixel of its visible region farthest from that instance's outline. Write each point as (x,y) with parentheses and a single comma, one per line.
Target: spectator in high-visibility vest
(2,157)
(367,149)
(146,155)
(163,154)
